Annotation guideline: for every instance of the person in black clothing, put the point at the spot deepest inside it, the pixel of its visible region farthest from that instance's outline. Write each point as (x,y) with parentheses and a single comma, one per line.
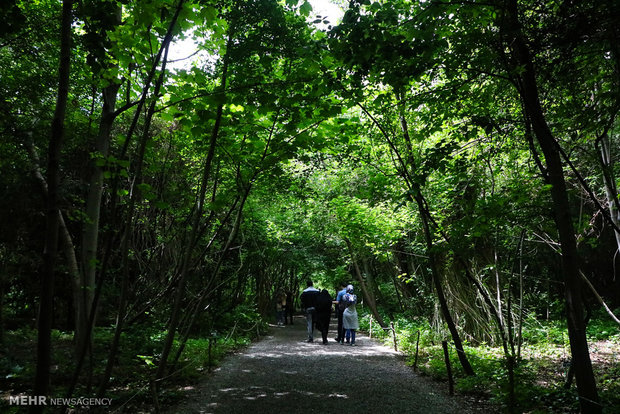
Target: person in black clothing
(280,307)
(308,303)
(289,310)
(323,313)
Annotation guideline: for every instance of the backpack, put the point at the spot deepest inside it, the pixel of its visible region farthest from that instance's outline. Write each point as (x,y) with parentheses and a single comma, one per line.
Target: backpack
(323,301)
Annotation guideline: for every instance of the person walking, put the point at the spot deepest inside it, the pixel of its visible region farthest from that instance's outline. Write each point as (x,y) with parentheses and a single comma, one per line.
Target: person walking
(340,307)
(289,310)
(323,313)
(280,307)
(308,304)
(350,321)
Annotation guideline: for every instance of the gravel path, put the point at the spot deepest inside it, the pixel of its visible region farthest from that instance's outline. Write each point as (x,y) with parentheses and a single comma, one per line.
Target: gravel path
(283,373)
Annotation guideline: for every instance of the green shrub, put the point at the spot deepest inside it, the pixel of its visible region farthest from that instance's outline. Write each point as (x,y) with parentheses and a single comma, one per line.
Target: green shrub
(547,332)
(601,327)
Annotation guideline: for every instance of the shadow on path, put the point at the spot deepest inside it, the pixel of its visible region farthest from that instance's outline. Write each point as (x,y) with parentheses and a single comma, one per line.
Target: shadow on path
(283,373)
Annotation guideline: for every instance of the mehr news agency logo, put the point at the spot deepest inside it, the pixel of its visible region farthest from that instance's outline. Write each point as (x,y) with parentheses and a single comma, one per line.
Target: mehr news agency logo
(30,400)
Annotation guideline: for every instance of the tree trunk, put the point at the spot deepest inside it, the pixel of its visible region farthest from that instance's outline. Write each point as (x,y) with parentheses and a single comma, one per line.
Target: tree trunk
(3,279)
(609,182)
(414,188)
(521,313)
(207,290)
(425,217)
(397,289)
(180,290)
(371,285)
(498,289)
(443,303)
(90,236)
(404,266)
(84,301)
(135,194)
(65,236)
(367,296)
(46,307)
(586,384)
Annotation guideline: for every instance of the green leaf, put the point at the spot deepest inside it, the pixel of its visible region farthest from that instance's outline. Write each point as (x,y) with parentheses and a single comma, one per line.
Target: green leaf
(162,205)
(144,187)
(305,9)
(208,13)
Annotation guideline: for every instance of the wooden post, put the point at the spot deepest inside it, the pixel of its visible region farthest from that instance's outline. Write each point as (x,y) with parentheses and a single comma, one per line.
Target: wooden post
(394,336)
(446,355)
(417,346)
(370,329)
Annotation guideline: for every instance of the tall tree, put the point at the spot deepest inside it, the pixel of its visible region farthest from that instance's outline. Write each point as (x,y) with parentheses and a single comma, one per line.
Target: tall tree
(395,65)
(46,306)
(101,18)
(529,91)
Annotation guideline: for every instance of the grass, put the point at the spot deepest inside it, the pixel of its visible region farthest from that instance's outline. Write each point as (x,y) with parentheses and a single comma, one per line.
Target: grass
(136,361)
(540,374)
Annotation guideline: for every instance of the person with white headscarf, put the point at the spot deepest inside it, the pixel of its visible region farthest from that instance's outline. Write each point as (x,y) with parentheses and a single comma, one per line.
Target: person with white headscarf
(350,322)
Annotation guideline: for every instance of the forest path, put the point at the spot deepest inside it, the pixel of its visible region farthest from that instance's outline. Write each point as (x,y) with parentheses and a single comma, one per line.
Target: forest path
(283,373)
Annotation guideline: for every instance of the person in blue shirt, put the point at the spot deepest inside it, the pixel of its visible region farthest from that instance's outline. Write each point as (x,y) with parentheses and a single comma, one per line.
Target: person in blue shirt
(339,310)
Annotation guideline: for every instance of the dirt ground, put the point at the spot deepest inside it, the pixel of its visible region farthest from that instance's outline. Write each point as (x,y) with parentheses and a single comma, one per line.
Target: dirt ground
(284,373)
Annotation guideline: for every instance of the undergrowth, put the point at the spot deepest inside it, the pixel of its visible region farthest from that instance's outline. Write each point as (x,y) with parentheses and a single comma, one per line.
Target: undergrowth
(135,363)
(540,374)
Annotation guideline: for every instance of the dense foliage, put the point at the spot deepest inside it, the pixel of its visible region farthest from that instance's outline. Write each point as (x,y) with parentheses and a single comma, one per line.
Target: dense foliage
(455,160)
